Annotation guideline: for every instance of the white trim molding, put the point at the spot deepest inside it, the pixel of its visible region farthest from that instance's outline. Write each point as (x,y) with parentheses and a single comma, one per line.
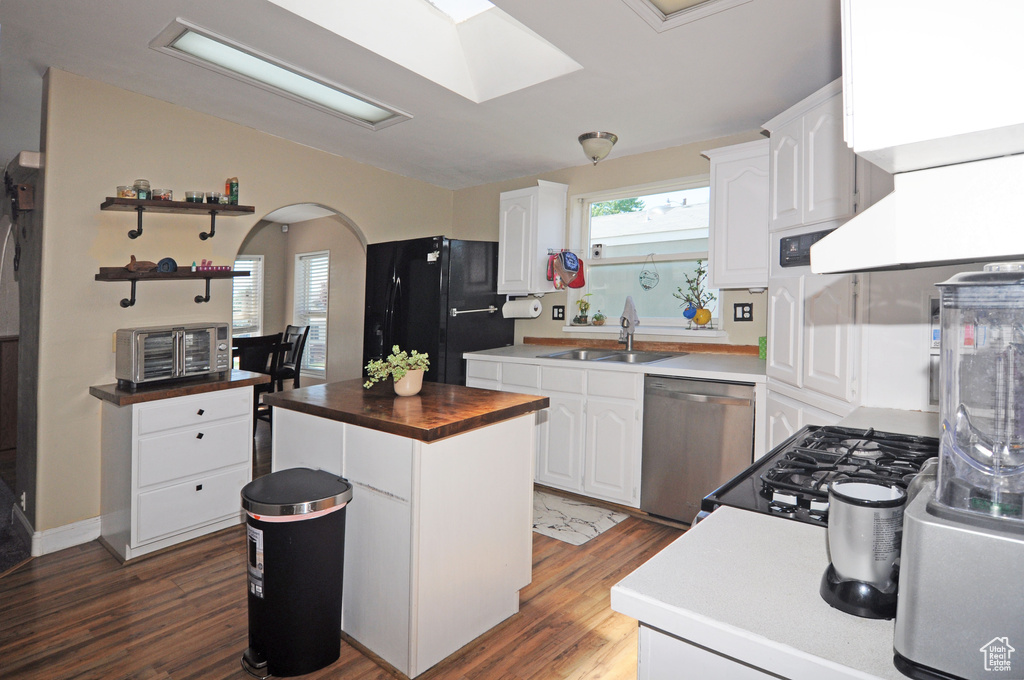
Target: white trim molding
(59,538)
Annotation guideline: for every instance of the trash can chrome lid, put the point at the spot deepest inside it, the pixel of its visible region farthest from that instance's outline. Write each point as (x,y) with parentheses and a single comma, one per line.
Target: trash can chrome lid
(295,491)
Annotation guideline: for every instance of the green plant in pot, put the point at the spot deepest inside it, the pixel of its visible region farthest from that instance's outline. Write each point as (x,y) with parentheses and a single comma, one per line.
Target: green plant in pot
(583,305)
(696,298)
(406,369)
(599,318)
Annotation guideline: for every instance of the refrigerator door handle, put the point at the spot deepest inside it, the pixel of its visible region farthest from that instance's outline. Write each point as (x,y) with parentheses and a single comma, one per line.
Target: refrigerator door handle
(389,315)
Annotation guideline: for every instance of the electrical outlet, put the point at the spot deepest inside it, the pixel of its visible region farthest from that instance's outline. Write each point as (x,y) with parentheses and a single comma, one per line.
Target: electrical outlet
(743,311)
(558,312)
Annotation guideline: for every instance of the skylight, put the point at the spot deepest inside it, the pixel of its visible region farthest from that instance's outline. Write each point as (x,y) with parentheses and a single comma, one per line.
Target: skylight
(467,46)
(222,55)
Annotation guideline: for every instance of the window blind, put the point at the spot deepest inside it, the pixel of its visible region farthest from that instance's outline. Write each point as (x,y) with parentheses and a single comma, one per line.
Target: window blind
(247,297)
(312,278)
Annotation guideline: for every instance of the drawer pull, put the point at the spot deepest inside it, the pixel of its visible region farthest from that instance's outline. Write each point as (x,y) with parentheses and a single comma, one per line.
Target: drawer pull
(199,436)
(199,487)
(200,412)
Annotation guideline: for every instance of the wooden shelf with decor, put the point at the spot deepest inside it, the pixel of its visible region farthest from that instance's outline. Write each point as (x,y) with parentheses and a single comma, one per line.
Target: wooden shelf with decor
(122,274)
(141,206)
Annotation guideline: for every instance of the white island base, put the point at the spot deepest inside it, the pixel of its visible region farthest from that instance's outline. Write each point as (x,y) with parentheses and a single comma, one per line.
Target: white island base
(438,535)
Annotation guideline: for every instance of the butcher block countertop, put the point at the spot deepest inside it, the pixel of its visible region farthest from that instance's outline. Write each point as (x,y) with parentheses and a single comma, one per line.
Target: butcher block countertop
(438,411)
(177,388)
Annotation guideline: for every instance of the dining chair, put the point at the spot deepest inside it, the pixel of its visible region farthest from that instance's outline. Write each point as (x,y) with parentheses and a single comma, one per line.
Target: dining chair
(260,354)
(290,366)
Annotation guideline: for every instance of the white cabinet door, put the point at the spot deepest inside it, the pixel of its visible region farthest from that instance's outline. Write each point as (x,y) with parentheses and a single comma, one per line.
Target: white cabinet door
(516,234)
(560,459)
(785,329)
(738,244)
(664,657)
(828,164)
(786,416)
(829,336)
(530,223)
(613,437)
(786,172)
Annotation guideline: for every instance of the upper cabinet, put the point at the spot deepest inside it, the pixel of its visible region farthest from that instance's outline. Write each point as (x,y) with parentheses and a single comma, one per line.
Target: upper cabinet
(814,176)
(738,242)
(812,169)
(925,87)
(531,222)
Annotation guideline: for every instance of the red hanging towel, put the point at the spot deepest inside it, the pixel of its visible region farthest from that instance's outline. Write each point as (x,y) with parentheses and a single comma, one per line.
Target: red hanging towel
(578,282)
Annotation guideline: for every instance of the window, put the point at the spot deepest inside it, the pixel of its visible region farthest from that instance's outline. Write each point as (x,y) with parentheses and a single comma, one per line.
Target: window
(312,272)
(649,239)
(247,297)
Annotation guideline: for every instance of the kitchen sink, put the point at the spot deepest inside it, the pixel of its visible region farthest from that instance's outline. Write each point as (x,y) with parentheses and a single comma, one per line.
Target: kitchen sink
(638,357)
(580,354)
(584,354)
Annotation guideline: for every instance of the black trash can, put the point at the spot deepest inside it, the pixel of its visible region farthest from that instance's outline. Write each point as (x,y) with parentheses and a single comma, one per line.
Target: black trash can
(295,526)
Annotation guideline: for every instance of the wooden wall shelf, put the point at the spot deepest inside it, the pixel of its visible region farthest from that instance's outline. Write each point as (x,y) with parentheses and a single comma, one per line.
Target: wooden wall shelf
(140,206)
(122,274)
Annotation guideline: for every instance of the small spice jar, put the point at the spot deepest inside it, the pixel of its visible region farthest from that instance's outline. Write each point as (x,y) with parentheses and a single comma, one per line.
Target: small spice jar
(194,196)
(125,192)
(162,194)
(142,189)
(213,196)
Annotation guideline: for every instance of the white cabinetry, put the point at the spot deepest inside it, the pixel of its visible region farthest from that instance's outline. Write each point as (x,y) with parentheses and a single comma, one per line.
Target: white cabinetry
(531,222)
(738,244)
(173,469)
(899,61)
(589,437)
(664,657)
(811,168)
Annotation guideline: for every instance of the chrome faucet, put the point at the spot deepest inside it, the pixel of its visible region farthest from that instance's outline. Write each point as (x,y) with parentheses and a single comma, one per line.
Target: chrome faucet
(629,335)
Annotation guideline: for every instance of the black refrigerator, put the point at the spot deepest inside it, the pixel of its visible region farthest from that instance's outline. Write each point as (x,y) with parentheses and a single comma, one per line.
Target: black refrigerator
(411,289)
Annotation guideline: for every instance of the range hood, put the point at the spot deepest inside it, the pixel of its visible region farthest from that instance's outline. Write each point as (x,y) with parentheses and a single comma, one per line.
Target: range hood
(968,212)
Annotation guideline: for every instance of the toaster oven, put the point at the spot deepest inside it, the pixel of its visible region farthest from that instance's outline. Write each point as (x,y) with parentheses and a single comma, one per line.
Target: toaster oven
(145,355)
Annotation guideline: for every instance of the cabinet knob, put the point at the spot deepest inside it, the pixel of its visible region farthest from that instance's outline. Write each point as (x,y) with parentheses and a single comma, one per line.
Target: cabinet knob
(200,412)
(199,487)
(199,436)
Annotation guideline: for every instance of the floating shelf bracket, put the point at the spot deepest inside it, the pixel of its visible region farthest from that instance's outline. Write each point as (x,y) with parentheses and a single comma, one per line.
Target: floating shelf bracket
(129,302)
(199,298)
(135,233)
(205,235)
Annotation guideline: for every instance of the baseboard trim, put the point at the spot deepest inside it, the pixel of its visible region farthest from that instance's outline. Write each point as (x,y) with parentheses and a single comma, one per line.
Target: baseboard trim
(52,540)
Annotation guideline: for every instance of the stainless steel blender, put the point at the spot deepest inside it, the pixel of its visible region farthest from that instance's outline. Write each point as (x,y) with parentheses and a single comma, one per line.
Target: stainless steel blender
(960,612)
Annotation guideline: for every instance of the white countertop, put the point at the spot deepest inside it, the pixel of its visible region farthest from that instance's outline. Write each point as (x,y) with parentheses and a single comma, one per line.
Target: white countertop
(917,423)
(745,585)
(732,367)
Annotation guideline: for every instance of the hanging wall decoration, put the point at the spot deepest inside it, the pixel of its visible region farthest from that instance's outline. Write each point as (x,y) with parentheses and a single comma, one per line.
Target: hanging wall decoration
(649,277)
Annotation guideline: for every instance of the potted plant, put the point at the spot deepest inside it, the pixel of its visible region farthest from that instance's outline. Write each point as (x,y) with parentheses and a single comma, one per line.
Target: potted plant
(583,304)
(696,298)
(406,369)
(599,318)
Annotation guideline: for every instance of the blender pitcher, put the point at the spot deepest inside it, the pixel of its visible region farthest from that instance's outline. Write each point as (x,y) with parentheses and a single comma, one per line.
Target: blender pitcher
(981,450)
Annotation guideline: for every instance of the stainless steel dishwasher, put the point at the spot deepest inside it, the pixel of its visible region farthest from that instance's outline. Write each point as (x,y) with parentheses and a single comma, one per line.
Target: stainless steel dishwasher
(697,435)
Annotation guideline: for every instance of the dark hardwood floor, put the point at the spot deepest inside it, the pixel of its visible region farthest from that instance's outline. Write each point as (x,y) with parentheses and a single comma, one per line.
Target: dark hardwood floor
(182,614)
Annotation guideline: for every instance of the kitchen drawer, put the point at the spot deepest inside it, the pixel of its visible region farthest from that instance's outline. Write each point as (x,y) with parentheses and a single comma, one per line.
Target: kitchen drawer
(570,380)
(615,384)
(184,453)
(520,375)
(193,410)
(484,370)
(174,509)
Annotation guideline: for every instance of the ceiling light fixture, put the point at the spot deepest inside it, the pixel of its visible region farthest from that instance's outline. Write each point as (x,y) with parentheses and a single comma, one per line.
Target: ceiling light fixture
(597,145)
(222,55)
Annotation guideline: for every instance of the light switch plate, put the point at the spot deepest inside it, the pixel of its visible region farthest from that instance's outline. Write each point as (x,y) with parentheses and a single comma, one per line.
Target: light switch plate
(558,312)
(743,311)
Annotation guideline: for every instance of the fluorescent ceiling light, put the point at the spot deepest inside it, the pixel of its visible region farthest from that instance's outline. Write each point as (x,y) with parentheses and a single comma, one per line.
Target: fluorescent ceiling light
(225,56)
(665,14)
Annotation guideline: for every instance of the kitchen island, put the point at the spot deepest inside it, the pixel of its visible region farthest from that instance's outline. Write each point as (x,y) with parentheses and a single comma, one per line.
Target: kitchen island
(439,530)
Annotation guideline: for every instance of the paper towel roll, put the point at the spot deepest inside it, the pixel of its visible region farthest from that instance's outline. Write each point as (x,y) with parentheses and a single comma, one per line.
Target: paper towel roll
(521,309)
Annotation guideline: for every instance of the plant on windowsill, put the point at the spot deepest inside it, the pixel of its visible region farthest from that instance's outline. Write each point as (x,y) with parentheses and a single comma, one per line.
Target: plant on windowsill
(406,369)
(583,304)
(696,298)
(599,318)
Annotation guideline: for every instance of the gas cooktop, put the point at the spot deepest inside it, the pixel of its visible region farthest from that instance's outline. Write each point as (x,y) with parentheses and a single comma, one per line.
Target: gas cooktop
(792,480)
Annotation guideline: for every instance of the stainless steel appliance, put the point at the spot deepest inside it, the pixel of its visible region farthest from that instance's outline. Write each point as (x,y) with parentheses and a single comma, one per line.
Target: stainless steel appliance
(146,355)
(792,480)
(434,295)
(960,583)
(865,527)
(697,434)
